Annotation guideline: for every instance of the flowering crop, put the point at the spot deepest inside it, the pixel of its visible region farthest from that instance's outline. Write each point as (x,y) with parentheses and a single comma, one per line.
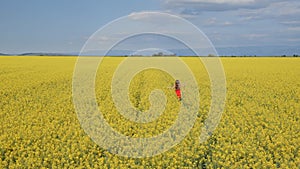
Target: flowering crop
(259,127)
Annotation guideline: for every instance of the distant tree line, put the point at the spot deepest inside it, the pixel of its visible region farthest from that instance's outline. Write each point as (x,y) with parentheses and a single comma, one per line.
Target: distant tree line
(291,56)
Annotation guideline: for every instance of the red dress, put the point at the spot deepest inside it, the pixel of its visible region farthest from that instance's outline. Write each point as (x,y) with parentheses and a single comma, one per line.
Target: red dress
(177,90)
(178,93)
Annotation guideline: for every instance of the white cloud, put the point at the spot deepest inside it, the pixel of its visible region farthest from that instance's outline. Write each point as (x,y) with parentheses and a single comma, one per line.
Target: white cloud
(213,21)
(213,1)
(293,29)
(246,10)
(158,18)
(286,12)
(195,7)
(149,15)
(291,22)
(293,39)
(254,36)
(140,15)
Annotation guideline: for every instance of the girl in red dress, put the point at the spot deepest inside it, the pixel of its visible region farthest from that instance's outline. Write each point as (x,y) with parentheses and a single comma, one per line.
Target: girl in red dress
(177,89)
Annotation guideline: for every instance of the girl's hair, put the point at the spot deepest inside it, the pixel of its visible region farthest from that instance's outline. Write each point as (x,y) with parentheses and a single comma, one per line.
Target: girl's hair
(177,83)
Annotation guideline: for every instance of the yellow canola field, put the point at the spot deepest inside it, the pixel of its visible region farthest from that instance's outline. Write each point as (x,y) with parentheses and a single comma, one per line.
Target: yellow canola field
(259,127)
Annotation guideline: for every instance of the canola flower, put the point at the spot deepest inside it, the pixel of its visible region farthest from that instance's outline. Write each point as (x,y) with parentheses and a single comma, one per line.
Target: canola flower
(259,127)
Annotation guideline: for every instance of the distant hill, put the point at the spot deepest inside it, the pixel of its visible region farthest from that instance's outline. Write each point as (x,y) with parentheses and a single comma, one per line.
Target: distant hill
(259,51)
(3,54)
(40,54)
(248,51)
(45,54)
(222,51)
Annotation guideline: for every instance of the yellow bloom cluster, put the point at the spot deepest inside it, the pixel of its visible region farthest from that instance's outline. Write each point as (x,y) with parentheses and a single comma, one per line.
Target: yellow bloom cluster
(259,127)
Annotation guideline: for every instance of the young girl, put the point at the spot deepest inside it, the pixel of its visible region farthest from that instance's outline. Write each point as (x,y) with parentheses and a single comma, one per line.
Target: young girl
(177,89)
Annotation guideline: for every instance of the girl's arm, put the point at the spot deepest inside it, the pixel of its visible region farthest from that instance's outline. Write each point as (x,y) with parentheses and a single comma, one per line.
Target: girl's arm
(171,87)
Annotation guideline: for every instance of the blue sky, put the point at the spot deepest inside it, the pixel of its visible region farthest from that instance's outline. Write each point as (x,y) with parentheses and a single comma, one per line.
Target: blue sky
(65,25)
